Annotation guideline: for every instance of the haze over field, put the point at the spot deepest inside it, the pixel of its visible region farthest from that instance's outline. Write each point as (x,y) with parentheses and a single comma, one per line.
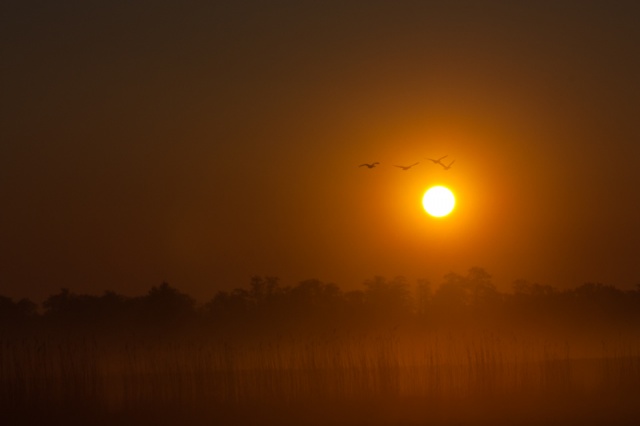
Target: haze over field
(315,354)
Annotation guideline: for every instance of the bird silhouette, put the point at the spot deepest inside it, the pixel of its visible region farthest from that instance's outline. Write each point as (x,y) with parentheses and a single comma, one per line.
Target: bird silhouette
(438,161)
(369,165)
(449,166)
(407,167)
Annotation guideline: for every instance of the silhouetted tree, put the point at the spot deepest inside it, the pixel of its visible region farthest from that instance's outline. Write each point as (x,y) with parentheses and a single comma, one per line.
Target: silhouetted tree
(597,303)
(525,289)
(482,291)
(315,302)
(60,302)
(314,293)
(16,311)
(597,291)
(387,299)
(266,305)
(69,308)
(164,306)
(452,294)
(263,289)
(472,294)
(533,305)
(88,312)
(226,305)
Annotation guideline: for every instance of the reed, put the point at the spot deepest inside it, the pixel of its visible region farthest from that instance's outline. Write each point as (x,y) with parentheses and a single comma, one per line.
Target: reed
(416,376)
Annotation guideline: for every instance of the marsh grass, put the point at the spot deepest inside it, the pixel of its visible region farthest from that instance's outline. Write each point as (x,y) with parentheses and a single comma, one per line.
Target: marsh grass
(386,377)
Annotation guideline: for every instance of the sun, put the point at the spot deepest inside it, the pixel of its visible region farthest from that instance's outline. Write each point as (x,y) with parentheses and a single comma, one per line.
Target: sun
(438,201)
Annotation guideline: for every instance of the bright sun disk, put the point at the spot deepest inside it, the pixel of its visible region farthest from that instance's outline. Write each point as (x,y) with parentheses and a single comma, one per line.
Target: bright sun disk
(438,201)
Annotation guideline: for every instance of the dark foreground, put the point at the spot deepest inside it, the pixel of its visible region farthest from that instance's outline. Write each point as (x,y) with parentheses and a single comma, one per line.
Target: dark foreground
(475,380)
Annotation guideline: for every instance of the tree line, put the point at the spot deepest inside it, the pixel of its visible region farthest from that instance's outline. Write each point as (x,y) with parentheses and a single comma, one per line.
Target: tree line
(265,303)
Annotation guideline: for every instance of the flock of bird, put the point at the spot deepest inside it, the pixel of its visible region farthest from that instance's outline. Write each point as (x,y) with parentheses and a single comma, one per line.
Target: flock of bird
(435,161)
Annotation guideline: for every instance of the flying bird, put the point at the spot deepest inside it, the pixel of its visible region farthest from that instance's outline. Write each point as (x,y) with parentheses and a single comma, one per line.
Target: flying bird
(438,161)
(449,166)
(407,167)
(369,165)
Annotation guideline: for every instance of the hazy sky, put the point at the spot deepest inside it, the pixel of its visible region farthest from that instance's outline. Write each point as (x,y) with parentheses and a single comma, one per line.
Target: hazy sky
(204,143)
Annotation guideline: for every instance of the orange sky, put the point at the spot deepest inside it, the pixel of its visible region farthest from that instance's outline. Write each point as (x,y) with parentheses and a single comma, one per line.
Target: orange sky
(204,144)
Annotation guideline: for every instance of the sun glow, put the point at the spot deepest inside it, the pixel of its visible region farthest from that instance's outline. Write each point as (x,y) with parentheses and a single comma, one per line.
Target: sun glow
(438,201)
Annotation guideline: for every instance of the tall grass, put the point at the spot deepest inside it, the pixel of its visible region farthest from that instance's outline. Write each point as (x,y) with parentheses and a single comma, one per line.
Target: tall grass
(419,376)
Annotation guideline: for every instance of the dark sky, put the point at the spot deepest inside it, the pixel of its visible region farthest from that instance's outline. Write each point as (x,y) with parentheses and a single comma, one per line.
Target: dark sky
(204,143)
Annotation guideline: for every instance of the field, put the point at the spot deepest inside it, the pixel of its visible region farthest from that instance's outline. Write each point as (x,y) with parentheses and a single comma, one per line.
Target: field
(394,376)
